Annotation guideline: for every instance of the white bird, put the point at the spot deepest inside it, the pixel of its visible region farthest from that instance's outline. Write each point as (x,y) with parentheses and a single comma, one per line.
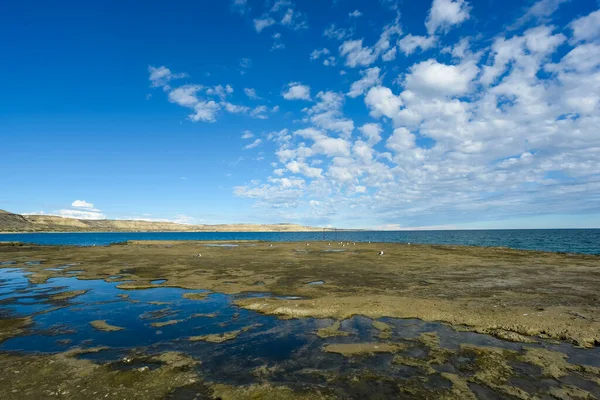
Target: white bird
(307,244)
(381,253)
(270,245)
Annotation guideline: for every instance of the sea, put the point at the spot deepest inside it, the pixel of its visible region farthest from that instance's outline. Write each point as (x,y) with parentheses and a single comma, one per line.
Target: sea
(582,241)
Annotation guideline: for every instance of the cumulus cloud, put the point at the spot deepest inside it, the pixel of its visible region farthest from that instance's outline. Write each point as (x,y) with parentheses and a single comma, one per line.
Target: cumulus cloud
(161,76)
(327,113)
(356,54)
(264,22)
(333,32)
(355,14)
(586,28)
(371,132)
(436,78)
(383,102)
(490,126)
(409,43)
(251,93)
(296,91)
(370,78)
(444,14)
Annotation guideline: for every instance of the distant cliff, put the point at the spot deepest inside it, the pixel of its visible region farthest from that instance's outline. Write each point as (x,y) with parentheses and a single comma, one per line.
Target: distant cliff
(10,222)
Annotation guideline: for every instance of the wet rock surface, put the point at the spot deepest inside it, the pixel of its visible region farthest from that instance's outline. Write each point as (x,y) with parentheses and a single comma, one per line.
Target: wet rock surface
(90,336)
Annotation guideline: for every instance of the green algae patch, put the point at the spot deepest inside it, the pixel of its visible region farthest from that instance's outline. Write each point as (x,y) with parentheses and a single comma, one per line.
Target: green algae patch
(355,349)
(436,355)
(385,330)
(176,359)
(568,392)
(77,351)
(555,365)
(166,323)
(331,331)
(460,388)
(507,335)
(63,376)
(67,295)
(196,296)
(11,327)
(102,325)
(159,303)
(265,392)
(200,315)
(220,337)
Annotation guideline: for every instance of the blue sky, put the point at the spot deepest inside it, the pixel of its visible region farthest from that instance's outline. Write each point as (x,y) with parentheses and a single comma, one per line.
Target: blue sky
(348,113)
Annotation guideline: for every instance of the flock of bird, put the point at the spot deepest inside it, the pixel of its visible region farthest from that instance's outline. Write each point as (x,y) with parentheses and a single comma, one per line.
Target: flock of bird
(328,244)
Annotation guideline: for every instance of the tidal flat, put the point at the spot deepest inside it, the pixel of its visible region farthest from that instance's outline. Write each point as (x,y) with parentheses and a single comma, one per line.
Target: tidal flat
(248,322)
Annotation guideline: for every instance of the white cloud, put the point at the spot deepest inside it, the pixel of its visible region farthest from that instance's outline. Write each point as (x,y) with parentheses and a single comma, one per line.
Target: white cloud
(355,14)
(81,210)
(540,10)
(324,144)
(296,91)
(409,43)
(586,28)
(245,63)
(254,144)
(356,54)
(436,78)
(234,108)
(493,126)
(302,168)
(401,140)
(82,204)
(444,14)
(220,91)
(332,32)
(161,76)
(327,113)
(277,43)
(317,53)
(81,214)
(259,112)
(185,95)
(371,132)
(239,6)
(383,102)
(261,23)
(370,78)
(247,135)
(251,93)
(205,111)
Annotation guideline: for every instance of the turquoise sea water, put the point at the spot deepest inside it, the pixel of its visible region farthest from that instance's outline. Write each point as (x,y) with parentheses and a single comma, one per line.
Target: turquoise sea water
(586,241)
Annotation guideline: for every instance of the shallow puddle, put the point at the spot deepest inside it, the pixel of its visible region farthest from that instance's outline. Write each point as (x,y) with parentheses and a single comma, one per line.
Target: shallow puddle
(238,346)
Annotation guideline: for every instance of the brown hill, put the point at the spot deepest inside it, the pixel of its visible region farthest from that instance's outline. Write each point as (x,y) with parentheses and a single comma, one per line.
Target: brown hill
(10,222)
